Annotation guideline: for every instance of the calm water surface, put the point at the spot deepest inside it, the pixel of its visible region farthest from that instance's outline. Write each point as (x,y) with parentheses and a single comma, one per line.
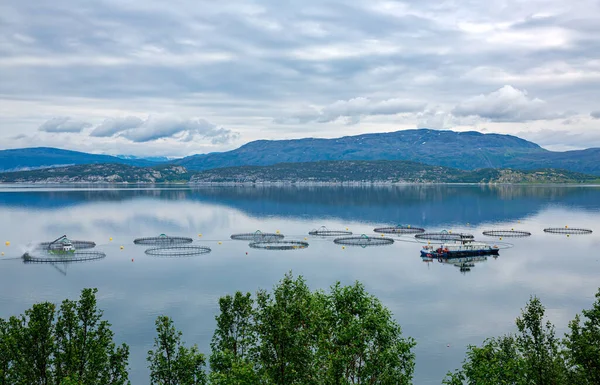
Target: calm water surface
(442,308)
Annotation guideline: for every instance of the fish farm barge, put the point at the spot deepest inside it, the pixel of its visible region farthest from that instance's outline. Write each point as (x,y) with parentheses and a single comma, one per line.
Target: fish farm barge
(467,249)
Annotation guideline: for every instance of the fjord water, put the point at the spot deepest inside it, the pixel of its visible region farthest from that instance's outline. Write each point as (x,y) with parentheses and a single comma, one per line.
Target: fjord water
(442,308)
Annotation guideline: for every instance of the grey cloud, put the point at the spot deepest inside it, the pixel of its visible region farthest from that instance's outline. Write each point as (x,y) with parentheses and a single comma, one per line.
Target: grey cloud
(113,126)
(63,124)
(508,104)
(595,114)
(155,128)
(353,109)
(251,64)
(561,139)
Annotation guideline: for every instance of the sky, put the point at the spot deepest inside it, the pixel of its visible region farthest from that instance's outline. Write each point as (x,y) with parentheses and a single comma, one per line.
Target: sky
(181,77)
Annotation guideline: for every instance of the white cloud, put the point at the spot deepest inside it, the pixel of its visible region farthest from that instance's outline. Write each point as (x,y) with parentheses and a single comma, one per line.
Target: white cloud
(508,104)
(113,126)
(161,127)
(353,110)
(251,65)
(63,124)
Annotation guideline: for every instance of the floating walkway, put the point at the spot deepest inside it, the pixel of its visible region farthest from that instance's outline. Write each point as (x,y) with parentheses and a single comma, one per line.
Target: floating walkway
(324,232)
(363,241)
(78,256)
(400,229)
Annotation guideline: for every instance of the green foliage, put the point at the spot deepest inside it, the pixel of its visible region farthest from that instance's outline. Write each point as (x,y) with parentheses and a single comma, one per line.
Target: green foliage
(71,346)
(534,355)
(171,363)
(234,342)
(539,347)
(361,343)
(294,336)
(583,346)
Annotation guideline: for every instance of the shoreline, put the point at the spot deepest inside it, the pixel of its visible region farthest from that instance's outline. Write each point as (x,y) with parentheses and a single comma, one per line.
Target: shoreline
(276,184)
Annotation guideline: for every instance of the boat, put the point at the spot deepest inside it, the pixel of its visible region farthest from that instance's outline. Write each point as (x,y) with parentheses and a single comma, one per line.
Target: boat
(458,250)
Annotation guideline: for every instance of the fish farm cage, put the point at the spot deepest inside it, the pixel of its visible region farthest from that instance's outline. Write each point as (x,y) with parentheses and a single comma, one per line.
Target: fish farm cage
(163,240)
(60,243)
(400,229)
(279,245)
(567,230)
(507,233)
(363,241)
(325,232)
(258,236)
(78,256)
(177,251)
(445,236)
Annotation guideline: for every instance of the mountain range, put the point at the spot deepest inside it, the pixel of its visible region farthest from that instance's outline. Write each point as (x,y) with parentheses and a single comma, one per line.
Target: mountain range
(462,150)
(22,159)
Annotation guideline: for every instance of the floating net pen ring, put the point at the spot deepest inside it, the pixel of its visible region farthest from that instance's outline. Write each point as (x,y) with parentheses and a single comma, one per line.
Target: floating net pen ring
(78,256)
(177,251)
(567,230)
(257,236)
(162,240)
(363,241)
(279,245)
(507,233)
(324,232)
(400,229)
(445,236)
(76,244)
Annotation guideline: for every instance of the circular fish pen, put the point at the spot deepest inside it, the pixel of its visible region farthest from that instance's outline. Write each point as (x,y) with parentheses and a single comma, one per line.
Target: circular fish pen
(178,251)
(78,256)
(279,245)
(162,240)
(363,241)
(445,236)
(567,230)
(64,242)
(325,232)
(257,236)
(507,233)
(400,229)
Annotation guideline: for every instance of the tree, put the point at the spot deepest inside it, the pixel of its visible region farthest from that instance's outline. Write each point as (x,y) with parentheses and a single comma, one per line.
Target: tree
(361,343)
(85,350)
(71,346)
(171,363)
(285,326)
(496,362)
(295,336)
(539,347)
(531,357)
(34,343)
(583,346)
(234,342)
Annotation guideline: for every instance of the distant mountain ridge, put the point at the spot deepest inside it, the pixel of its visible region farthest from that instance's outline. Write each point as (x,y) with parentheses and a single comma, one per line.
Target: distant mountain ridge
(44,157)
(462,150)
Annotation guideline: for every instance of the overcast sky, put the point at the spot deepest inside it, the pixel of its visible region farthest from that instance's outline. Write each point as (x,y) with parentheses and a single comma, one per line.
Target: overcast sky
(155,77)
